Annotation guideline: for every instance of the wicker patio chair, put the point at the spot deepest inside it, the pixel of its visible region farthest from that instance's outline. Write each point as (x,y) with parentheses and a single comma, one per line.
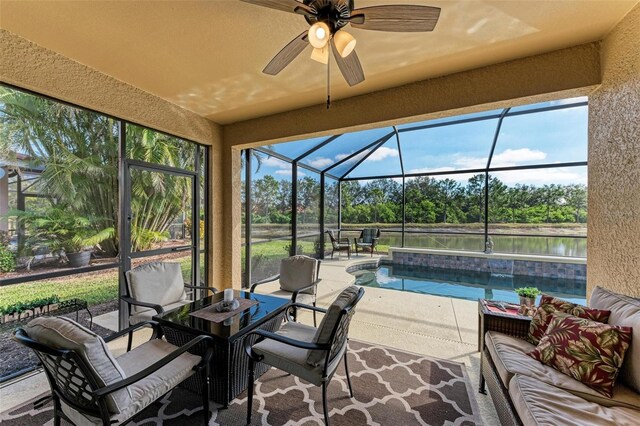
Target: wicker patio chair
(154,288)
(313,354)
(368,240)
(339,244)
(298,280)
(90,386)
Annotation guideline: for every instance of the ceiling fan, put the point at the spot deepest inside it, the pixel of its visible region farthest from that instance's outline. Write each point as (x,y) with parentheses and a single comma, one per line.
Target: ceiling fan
(328,18)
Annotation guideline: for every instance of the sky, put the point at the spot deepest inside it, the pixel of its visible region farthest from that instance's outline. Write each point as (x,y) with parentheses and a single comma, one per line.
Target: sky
(539,138)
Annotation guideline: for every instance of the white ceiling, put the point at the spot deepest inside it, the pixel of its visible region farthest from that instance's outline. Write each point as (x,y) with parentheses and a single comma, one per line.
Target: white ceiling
(207,56)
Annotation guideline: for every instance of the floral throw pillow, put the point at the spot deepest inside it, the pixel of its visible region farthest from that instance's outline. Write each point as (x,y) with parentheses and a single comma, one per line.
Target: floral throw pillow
(589,351)
(550,305)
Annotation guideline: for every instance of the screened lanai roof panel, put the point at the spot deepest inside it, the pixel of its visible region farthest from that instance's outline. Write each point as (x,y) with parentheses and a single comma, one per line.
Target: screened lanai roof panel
(344,167)
(295,149)
(548,137)
(343,146)
(548,104)
(476,115)
(464,146)
(384,161)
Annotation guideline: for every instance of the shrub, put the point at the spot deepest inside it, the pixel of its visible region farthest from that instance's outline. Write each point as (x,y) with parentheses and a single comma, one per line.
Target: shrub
(7,259)
(19,307)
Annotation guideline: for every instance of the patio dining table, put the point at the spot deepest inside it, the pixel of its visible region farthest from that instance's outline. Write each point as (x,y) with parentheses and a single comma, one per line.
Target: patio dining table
(229,364)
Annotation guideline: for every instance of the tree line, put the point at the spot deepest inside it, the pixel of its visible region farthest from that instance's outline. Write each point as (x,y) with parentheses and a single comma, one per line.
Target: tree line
(428,200)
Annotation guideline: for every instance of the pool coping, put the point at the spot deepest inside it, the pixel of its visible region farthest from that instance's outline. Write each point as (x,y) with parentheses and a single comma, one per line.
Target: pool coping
(500,256)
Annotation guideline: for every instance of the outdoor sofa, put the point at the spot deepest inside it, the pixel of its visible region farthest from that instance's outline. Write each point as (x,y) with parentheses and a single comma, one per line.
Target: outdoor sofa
(527,392)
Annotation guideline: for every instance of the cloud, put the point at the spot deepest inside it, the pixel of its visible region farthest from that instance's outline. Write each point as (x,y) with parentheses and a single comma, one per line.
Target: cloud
(274,162)
(383,153)
(507,158)
(430,170)
(321,162)
(565,175)
(283,172)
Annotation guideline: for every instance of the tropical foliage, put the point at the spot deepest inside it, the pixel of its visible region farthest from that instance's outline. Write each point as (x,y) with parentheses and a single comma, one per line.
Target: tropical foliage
(77,151)
(428,200)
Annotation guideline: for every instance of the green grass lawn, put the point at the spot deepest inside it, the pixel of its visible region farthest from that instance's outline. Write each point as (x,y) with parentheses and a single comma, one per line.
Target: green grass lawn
(95,288)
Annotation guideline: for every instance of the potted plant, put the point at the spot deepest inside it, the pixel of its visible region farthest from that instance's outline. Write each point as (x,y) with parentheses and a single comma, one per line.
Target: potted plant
(527,295)
(69,235)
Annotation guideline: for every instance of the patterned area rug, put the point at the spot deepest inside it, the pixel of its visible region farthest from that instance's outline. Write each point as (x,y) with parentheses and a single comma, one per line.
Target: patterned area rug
(390,387)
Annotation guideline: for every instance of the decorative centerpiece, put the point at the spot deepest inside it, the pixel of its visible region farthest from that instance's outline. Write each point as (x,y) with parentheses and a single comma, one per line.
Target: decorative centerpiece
(527,297)
(229,303)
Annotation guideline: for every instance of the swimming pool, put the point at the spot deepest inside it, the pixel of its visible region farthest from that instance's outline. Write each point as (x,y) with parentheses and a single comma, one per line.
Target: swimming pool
(467,285)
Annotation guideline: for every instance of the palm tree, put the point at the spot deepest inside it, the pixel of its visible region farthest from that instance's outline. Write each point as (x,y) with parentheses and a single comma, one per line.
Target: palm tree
(79,152)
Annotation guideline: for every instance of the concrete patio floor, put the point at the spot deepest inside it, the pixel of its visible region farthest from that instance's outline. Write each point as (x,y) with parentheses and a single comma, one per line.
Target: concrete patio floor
(439,327)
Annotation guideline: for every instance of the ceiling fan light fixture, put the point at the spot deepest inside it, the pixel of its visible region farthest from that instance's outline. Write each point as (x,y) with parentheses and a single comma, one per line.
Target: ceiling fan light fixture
(321,55)
(345,43)
(319,35)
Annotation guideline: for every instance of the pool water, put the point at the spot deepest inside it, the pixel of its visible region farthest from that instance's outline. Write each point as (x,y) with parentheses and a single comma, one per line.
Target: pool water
(469,285)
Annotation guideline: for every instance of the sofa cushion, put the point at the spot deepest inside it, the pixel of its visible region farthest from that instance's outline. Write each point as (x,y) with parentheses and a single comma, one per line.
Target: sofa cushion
(539,403)
(509,355)
(588,351)
(297,272)
(549,305)
(64,333)
(625,311)
(160,283)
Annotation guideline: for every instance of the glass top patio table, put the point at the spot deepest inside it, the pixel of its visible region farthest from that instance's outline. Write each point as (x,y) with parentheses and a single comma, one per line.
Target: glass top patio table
(230,329)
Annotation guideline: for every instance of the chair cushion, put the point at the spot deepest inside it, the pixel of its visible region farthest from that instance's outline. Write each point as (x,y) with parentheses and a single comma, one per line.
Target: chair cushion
(147,314)
(294,360)
(152,387)
(323,335)
(160,283)
(549,305)
(368,234)
(539,403)
(509,355)
(625,311)
(304,298)
(586,350)
(64,333)
(297,272)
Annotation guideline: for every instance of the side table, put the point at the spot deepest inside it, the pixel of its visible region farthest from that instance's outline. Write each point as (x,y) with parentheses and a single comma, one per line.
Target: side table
(491,318)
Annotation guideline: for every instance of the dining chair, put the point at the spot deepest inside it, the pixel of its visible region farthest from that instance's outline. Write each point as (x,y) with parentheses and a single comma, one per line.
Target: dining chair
(90,386)
(339,244)
(310,353)
(154,288)
(368,240)
(298,279)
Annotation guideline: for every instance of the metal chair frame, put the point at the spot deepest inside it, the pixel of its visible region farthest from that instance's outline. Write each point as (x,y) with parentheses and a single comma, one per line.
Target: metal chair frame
(294,294)
(158,308)
(339,337)
(371,246)
(89,398)
(339,244)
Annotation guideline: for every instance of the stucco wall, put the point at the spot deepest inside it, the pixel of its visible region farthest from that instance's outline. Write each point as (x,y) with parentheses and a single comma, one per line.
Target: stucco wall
(565,73)
(33,67)
(613,246)
(27,65)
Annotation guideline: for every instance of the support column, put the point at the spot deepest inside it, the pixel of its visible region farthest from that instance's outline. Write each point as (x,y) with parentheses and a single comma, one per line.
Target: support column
(4,199)
(322,191)
(247,218)
(294,208)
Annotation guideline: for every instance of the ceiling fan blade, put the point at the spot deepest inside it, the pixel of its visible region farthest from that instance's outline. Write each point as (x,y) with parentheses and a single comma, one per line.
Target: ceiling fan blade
(349,67)
(293,6)
(400,18)
(287,54)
